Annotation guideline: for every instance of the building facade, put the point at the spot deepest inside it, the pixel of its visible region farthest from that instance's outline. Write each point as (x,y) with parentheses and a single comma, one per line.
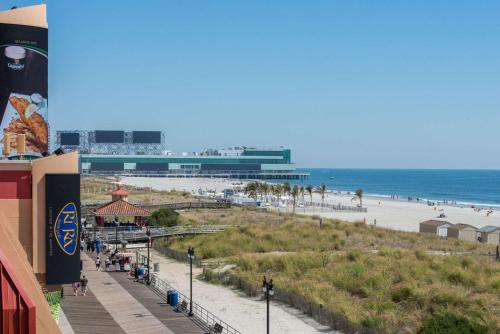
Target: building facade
(248,164)
(111,142)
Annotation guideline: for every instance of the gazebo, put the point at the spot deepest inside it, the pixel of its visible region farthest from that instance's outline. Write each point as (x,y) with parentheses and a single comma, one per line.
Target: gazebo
(119,206)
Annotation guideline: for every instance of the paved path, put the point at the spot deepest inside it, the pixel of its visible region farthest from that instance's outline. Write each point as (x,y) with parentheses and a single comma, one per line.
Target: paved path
(119,308)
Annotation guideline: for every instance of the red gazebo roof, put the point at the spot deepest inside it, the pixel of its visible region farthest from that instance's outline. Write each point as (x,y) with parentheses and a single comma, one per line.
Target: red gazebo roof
(120,191)
(121,208)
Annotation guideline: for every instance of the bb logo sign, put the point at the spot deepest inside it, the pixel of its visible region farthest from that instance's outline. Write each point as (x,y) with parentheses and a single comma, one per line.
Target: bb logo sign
(66,229)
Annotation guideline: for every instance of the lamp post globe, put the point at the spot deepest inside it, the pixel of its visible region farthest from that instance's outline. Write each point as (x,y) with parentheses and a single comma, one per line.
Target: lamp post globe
(268,289)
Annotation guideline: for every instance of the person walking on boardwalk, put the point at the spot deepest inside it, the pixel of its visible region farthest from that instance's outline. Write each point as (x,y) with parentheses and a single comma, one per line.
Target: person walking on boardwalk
(83,283)
(98,263)
(107,263)
(75,287)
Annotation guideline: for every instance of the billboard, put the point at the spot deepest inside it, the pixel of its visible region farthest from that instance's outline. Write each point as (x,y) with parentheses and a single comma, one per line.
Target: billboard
(70,138)
(23,78)
(146,137)
(62,197)
(109,137)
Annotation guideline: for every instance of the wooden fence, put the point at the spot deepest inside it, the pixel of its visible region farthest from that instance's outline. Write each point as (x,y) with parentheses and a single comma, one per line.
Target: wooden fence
(320,313)
(337,207)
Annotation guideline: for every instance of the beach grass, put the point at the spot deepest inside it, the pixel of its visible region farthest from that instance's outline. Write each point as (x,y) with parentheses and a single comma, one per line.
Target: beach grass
(97,190)
(389,280)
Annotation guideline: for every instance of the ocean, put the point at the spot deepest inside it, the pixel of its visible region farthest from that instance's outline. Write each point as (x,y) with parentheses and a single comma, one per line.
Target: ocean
(480,187)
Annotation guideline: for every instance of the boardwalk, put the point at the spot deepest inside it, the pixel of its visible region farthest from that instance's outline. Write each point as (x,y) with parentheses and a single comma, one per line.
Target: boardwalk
(115,304)
(111,234)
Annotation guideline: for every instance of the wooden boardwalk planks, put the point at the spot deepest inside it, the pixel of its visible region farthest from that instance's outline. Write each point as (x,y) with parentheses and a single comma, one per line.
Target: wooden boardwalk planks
(175,321)
(86,315)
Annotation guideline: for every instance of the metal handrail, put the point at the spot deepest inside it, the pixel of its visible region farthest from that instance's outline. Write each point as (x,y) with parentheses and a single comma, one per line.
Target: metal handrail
(199,312)
(133,234)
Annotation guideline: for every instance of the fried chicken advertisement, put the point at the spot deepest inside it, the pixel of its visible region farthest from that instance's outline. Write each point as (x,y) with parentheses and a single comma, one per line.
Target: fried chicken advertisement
(31,123)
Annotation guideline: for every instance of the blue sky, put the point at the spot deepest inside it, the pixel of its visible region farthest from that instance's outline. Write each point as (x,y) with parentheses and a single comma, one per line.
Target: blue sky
(409,84)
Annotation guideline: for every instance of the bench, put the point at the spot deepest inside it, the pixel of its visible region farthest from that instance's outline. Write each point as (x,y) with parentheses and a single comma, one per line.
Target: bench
(182,307)
(216,329)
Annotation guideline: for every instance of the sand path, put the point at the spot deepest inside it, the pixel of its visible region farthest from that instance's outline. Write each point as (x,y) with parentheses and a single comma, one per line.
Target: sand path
(247,315)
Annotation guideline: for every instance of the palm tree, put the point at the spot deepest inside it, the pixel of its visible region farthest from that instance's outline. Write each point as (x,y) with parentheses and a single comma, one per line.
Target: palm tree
(322,190)
(302,192)
(277,189)
(295,194)
(251,190)
(265,189)
(309,189)
(287,190)
(359,196)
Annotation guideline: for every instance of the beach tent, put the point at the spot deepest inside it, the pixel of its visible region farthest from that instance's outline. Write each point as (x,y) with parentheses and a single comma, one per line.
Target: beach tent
(463,232)
(490,234)
(437,227)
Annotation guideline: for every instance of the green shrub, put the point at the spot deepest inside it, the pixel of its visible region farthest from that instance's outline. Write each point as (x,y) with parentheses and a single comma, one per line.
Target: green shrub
(421,255)
(496,284)
(446,299)
(460,277)
(401,294)
(164,217)
(372,322)
(353,256)
(451,324)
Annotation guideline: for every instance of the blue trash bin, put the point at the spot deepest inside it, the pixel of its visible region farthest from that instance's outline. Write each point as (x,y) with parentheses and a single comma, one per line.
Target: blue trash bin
(174,298)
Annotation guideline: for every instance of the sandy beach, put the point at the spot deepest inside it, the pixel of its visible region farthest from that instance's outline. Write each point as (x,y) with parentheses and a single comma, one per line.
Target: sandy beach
(394,214)
(247,315)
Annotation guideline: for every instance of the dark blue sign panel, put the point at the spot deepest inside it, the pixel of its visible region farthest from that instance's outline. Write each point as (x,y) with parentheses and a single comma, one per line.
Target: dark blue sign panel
(62,196)
(66,228)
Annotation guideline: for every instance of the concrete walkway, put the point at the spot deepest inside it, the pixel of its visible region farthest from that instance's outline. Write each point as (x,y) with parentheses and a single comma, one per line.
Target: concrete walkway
(110,307)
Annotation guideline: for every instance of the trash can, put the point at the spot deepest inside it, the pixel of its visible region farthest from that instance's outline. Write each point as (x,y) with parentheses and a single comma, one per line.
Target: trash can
(174,298)
(156,267)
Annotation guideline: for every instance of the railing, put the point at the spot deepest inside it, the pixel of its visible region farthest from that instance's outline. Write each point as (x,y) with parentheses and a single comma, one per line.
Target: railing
(18,311)
(337,207)
(191,205)
(114,234)
(199,312)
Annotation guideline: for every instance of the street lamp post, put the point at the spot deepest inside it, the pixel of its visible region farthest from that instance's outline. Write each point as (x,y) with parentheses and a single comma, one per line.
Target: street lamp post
(148,233)
(191,257)
(268,289)
(116,236)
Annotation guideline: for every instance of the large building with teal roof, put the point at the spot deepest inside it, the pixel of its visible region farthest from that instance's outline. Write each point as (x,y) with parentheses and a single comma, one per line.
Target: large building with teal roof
(121,153)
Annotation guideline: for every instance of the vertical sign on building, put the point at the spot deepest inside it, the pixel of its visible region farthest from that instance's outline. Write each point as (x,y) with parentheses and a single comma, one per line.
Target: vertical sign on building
(23,77)
(62,196)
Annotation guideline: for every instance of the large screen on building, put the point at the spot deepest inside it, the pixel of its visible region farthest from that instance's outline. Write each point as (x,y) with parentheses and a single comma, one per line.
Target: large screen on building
(70,138)
(23,78)
(146,137)
(107,166)
(110,137)
(151,167)
(62,198)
